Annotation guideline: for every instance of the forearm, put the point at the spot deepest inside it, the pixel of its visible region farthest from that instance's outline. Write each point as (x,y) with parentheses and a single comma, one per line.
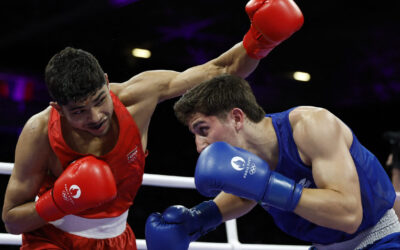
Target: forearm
(235,61)
(23,218)
(232,207)
(330,209)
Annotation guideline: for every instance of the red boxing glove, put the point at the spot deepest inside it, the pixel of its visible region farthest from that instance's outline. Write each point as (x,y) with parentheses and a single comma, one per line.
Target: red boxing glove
(86,183)
(272,22)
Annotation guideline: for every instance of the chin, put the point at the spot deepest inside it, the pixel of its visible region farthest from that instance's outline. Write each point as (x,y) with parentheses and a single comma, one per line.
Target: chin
(99,134)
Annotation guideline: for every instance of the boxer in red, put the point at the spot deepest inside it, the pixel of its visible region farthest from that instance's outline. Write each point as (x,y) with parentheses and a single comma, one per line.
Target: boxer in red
(83,156)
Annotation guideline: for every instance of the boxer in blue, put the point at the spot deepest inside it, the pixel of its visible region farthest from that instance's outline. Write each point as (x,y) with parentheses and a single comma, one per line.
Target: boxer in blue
(304,166)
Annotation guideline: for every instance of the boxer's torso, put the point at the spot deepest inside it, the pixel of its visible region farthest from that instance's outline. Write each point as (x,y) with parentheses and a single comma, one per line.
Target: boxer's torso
(121,149)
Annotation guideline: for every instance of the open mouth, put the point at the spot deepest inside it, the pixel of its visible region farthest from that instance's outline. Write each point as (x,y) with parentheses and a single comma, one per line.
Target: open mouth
(98,125)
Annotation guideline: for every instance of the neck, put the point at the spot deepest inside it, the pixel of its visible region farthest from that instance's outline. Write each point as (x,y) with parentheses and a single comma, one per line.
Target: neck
(84,142)
(260,139)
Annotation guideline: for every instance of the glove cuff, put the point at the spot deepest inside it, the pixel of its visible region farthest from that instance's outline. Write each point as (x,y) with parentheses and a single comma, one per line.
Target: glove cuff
(47,208)
(207,215)
(282,192)
(255,44)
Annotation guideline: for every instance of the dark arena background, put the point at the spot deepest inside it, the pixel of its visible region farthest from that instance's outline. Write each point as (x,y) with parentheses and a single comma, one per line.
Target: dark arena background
(349,48)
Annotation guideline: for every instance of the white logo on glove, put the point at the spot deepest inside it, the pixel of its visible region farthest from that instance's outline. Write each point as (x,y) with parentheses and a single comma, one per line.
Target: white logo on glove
(75,191)
(252,169)
(238,163)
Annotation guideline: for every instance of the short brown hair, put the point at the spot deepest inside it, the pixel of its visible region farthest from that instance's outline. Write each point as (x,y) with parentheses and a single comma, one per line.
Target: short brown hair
(217,97)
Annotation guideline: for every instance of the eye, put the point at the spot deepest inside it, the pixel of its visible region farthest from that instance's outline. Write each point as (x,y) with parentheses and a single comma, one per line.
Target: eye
(78,112)
(203,130)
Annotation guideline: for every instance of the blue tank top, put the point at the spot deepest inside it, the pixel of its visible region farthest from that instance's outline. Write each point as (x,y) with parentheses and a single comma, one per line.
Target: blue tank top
(377,192)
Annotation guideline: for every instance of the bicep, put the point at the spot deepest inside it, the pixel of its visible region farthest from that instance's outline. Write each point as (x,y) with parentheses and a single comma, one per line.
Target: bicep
(336,172)
(143,92)
(144,87)
(326,142)
(338,187)
(30,166)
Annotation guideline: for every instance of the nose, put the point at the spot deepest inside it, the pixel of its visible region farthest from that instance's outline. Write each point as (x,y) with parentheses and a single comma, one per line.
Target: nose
(94,115)
(201,143)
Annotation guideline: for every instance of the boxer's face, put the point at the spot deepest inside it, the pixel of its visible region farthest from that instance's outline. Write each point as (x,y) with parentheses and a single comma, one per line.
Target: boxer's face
(93,114)
(210,129)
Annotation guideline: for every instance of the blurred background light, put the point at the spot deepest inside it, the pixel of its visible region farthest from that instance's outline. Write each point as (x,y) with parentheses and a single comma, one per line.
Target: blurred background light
(141,53)
(301,76)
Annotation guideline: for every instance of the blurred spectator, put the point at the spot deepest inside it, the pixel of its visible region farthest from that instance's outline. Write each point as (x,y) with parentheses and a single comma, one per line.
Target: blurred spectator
(393,163)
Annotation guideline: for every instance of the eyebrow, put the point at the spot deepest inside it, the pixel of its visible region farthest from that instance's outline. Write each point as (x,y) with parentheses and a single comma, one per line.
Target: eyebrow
(99,96)
(196,124)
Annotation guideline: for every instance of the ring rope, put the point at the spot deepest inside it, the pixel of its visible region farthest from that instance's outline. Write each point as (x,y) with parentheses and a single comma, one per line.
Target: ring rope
(170,181)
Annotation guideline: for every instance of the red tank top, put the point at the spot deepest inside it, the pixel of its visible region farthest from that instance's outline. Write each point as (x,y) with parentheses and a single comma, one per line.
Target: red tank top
(126,160)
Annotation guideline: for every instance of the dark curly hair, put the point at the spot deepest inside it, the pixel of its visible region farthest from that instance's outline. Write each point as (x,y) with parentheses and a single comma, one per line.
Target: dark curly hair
(73,75)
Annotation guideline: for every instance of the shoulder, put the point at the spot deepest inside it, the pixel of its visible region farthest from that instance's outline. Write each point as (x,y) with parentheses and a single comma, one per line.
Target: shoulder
(317,129)
(33,143)
(308,114)
(309,119)
(39,121)
(36,128)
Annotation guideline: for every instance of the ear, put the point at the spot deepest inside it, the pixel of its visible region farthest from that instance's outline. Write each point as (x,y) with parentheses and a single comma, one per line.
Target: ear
(238,117)
(57,107)
(107,81)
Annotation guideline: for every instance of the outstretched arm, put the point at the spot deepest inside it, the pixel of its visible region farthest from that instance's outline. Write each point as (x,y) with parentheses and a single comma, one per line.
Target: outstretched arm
(160,85)
(235,61)
(272,22)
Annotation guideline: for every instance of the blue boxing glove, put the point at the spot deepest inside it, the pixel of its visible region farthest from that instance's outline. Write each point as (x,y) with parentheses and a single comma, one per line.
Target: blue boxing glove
(178,226)
(222,167)
(163,235)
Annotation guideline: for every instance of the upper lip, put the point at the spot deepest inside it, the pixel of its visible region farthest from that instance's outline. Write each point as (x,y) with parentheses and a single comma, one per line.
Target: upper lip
(97,124)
